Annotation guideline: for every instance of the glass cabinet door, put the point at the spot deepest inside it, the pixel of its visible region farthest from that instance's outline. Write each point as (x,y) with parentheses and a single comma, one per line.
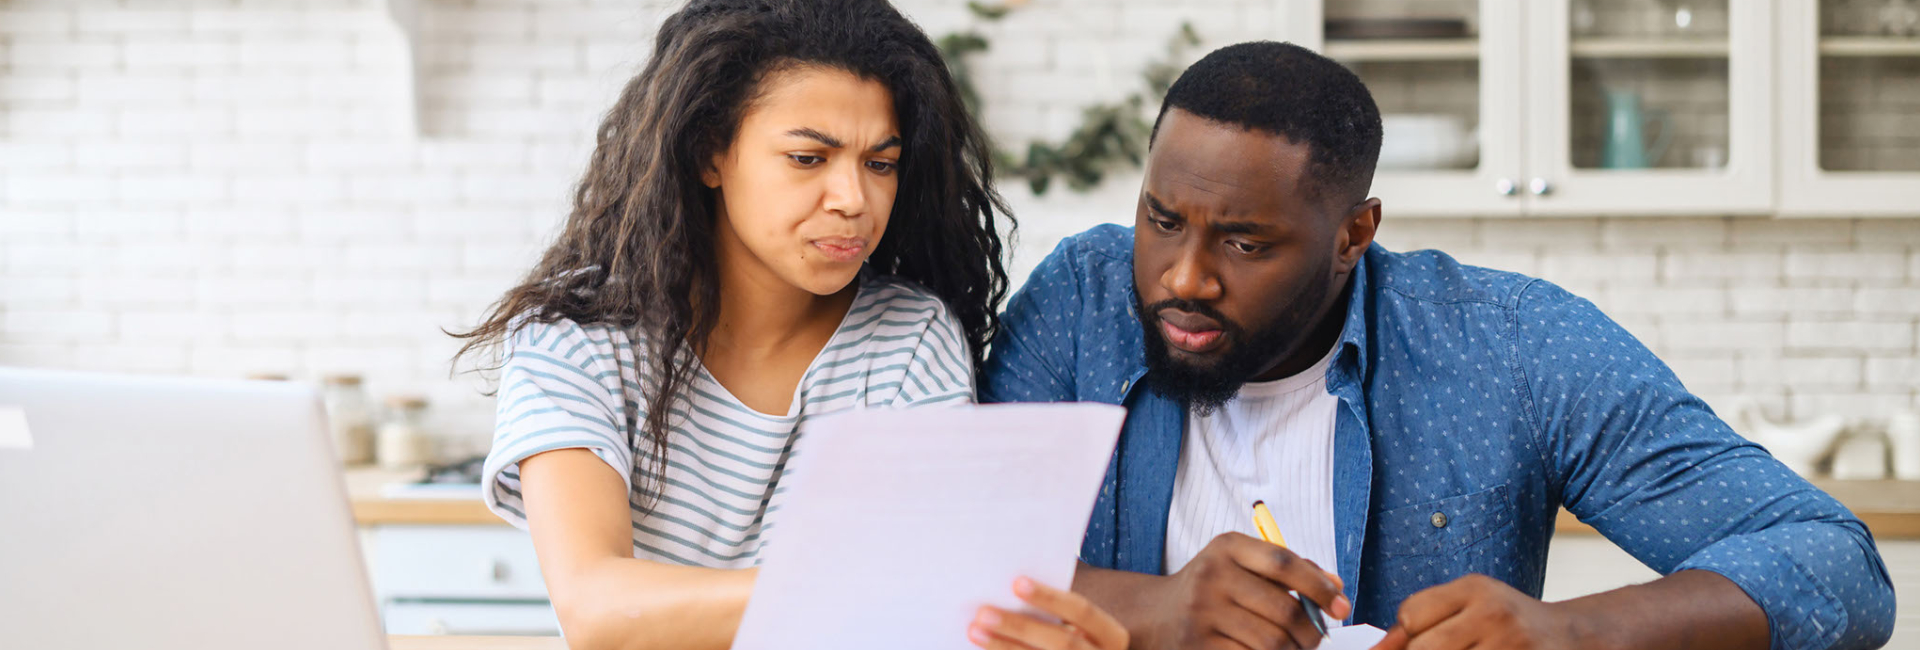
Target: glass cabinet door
(1446,76)
(1850,107)
(1649,107)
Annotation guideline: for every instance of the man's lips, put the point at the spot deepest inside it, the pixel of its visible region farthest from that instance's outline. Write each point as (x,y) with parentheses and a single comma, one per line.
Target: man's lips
(1189,332)
(842,249)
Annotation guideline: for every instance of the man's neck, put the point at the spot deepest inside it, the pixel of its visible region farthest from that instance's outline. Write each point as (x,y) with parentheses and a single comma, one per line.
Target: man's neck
(1326,333)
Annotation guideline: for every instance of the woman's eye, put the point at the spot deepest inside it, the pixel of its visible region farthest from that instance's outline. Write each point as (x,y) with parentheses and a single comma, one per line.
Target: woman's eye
(881,166)
(805,160)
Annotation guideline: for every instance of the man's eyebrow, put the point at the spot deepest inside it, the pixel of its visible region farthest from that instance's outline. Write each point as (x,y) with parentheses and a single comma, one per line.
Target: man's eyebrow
(810,133)
(1162,209)
(889,143)
(1239,227)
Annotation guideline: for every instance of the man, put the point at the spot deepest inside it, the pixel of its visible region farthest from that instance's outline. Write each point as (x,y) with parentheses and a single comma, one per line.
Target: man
(1414,423)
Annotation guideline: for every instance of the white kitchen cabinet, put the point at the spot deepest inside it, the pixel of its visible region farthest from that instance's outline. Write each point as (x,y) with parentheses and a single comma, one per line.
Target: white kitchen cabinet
(1709,81)
(1578,107)
(458,579)
(1452,105)
(1849,98)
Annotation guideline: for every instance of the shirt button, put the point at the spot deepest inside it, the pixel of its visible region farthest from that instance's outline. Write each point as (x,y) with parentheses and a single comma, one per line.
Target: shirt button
(1439,520)
(1124,386)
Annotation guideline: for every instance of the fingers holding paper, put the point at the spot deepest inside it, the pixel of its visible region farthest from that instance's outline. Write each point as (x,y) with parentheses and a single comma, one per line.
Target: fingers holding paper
(1082,626)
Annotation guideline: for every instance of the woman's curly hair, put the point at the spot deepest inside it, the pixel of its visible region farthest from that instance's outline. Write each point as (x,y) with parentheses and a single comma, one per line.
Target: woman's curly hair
(637,251)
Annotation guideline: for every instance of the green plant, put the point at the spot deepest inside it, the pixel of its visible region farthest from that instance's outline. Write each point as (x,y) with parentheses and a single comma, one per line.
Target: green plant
(1108,135)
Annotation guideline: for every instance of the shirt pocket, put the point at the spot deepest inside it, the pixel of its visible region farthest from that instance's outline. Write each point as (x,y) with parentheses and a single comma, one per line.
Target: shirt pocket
(1445,527)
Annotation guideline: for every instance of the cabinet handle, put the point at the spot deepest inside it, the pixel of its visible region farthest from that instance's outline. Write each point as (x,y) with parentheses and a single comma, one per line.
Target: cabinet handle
(1505,187)
(1539,186)
(499,571)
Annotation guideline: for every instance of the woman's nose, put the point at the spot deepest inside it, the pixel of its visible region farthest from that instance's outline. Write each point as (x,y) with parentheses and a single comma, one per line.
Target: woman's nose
(846,194)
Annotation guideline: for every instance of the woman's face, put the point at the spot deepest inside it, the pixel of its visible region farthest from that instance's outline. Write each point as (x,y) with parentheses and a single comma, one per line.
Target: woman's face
(808,182)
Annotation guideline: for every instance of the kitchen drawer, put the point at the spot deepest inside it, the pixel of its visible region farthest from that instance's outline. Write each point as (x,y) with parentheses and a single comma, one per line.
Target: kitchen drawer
(470,618)
(455,562)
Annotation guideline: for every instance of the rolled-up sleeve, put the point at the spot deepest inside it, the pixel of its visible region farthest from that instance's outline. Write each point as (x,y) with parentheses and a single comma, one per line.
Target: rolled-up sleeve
(1650,466)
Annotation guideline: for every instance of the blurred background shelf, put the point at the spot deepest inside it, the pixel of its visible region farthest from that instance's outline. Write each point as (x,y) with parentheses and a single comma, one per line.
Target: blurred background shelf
(1642,48)
(1869,46)
(1416,49)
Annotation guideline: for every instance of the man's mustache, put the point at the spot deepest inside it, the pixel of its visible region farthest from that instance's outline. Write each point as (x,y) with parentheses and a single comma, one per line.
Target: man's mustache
(1152,312)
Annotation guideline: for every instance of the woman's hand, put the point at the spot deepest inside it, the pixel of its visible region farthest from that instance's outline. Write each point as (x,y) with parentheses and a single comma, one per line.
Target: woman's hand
(1083,626)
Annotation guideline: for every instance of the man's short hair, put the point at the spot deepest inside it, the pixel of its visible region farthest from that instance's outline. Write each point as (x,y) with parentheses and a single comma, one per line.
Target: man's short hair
(1290,91)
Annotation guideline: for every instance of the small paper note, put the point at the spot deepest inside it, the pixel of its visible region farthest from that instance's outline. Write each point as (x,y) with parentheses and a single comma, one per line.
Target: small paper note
(1352,637)
(13,428)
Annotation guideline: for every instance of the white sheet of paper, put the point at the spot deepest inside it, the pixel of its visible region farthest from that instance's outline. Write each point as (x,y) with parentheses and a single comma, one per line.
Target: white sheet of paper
(1352,637)
(898,524)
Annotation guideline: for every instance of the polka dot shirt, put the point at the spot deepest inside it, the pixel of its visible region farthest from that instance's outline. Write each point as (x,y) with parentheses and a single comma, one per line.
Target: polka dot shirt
(1474,404)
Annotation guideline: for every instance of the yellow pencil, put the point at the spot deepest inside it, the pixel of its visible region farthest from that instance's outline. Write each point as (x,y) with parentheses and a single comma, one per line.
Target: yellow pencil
(1270,531)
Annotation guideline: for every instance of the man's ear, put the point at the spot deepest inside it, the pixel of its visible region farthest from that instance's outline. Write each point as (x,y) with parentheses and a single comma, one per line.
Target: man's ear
(1357,229)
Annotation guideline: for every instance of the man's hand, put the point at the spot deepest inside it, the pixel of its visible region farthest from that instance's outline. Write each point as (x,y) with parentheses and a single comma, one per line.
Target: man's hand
(1233,595)
(1478,612)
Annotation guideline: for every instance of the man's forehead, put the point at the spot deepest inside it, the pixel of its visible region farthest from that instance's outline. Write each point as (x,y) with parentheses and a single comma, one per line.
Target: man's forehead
(1223,172)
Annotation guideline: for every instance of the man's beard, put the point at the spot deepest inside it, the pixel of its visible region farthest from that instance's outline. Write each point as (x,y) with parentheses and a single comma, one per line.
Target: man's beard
(1206,387)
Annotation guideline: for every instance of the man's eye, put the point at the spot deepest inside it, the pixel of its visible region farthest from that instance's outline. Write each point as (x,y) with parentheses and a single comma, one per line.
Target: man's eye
(805,160)
(1245,247)
(1164,224)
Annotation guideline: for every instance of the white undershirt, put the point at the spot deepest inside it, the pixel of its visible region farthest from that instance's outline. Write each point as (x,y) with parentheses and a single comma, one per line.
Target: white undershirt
(1272,442)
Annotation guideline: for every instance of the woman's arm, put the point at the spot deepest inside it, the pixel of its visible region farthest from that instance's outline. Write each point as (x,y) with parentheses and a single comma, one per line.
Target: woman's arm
(577,510)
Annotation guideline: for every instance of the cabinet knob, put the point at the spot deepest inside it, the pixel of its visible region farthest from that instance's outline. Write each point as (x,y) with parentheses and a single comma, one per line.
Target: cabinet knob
(1505,187)
(1539,186)
(498,569)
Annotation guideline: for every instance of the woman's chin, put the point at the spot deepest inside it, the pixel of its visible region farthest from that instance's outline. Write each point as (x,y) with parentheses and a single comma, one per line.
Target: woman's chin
(826,280)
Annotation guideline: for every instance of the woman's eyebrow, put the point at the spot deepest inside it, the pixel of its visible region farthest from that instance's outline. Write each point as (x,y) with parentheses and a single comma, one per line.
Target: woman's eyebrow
(889,143)
(813,134)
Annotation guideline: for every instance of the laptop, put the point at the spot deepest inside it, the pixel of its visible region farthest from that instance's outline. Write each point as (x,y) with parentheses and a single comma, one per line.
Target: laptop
(174,514)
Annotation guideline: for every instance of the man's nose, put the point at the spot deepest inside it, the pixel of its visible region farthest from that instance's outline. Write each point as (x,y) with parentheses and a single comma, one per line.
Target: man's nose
(1192,277)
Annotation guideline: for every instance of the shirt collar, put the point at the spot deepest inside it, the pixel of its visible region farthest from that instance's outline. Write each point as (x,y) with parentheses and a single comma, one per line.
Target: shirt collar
(1350,356)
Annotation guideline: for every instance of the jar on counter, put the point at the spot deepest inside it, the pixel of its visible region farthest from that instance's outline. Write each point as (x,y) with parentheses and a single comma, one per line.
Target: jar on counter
(403,439)
(350,417)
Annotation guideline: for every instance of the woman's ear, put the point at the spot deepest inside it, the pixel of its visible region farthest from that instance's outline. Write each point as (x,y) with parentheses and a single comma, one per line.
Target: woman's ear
(710,174)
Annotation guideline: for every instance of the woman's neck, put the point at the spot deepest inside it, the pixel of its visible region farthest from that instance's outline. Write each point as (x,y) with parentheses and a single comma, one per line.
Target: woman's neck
(760,313)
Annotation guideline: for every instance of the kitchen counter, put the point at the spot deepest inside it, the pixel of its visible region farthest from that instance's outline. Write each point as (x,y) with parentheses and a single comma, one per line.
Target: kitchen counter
(475,643)
(371,508)
(1891,509)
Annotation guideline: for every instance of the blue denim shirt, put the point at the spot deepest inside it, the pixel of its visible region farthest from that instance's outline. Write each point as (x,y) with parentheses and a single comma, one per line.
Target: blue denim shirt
(1489,397)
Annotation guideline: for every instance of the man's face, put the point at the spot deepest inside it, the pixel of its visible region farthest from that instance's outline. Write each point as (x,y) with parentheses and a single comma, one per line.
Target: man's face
(1234,261)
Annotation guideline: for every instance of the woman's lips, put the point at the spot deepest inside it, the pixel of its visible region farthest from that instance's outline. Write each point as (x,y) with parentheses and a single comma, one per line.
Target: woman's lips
(842,249)
(1190,341)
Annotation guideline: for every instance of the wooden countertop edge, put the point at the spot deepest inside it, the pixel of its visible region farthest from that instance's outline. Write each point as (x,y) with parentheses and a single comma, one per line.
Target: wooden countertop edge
(376,511)
(392,512)
(1891,509)
(405,642)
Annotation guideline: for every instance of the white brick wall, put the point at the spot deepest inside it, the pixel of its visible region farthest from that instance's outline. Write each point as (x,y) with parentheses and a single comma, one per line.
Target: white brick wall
(223,187)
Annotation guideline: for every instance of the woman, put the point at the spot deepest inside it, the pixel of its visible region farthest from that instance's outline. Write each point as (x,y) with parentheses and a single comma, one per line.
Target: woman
(788,213)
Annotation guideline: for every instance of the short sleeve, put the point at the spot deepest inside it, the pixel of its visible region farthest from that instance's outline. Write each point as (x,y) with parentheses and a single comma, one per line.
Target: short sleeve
(941,370)
(559,389)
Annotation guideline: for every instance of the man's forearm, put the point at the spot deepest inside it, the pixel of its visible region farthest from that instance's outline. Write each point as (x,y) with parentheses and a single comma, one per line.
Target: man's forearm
(1688,609)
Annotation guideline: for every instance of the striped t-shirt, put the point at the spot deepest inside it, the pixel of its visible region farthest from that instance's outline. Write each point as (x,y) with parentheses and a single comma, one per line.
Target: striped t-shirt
(575,385)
